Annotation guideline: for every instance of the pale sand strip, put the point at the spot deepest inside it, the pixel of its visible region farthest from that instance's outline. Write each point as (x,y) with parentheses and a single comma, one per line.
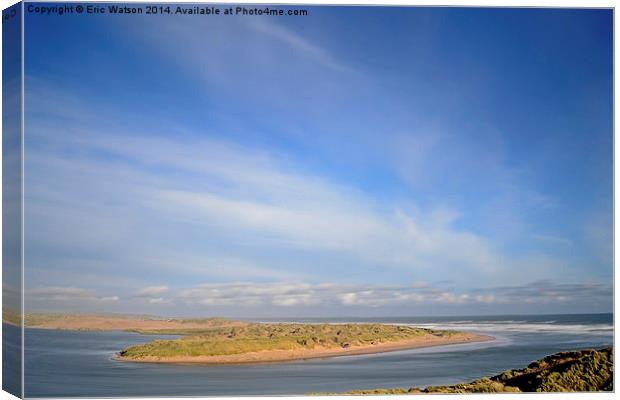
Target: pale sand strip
(306,354)
(105,323)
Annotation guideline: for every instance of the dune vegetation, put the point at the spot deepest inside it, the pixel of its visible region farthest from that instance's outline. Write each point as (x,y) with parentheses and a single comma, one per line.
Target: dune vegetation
(255,337)
(11,316)
(576,371)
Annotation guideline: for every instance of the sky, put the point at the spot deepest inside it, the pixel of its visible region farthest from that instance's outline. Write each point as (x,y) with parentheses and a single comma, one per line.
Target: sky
(358,161)
(11,162)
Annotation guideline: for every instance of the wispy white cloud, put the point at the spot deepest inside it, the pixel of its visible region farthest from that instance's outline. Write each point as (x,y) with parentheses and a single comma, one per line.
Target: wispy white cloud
(246,197)
(152,291)
(153,294)
(598,234)
(300,45)
(58,294)
(246,298)
(255,63)
(553,239)
(304,294)
(250,196)
(250,294)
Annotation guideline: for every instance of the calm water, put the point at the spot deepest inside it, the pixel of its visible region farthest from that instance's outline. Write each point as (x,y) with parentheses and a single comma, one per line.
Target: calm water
(63,363)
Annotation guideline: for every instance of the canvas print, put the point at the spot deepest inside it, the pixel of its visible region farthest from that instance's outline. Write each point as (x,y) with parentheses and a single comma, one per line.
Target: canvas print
(255,199)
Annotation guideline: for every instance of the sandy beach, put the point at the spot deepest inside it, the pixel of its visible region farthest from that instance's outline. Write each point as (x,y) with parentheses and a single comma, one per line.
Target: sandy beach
(306,354)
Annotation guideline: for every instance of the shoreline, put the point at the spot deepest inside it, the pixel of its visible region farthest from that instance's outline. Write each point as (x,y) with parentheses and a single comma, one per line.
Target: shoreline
(269,356)
(122,323)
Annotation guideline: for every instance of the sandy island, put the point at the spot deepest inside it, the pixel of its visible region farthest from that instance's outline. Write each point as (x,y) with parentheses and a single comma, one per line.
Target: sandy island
(237,342)
(306,354)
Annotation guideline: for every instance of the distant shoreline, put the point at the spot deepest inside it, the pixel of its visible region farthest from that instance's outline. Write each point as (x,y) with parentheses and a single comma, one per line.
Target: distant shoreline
(269,356)
(98,323)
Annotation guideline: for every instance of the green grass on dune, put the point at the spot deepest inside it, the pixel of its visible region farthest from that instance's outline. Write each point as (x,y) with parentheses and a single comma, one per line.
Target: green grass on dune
(376,392)
(574,371)
(196,347)
(11,317)
(585,370)
(260,337)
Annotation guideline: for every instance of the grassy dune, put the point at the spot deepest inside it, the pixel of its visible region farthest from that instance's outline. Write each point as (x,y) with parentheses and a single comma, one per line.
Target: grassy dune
(11,317)
(576,371)
(219,341)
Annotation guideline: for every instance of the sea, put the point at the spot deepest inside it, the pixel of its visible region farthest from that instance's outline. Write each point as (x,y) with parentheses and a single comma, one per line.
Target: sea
(70,363)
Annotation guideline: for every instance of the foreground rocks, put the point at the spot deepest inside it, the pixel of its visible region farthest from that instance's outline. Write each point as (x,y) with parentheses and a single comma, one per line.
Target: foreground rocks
(574,371)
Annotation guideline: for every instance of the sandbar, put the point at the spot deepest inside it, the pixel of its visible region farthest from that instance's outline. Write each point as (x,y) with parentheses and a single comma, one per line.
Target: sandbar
(268,356)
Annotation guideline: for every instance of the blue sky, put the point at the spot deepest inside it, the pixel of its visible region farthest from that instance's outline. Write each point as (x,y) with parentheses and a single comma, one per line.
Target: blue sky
(357,161)
(11,176)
